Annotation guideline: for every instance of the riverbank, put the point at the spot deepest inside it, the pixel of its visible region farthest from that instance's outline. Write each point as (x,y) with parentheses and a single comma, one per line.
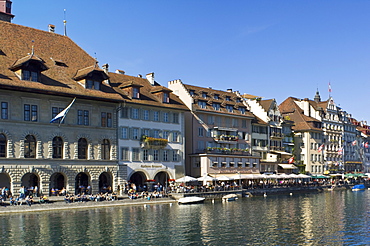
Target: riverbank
(58,203)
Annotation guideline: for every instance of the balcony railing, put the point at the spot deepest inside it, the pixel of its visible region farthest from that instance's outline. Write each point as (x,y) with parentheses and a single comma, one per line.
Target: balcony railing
(227,151)
(153,143)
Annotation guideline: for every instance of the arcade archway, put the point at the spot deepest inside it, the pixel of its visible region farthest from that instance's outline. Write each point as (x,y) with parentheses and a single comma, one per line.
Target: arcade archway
(138,180)
(82,184)
(57,182)
(31,183)
(105,182)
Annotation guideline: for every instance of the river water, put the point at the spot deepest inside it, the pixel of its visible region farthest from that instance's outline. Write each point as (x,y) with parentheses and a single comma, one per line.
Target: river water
(328,218)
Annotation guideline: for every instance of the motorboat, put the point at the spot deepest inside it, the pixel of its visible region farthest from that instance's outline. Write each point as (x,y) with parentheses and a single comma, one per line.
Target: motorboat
(191,200)
(358,187)
(230,197)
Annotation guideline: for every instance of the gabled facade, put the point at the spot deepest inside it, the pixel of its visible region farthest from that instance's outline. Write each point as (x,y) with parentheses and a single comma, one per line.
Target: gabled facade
(151,131)
(40,74)
(274,151)
(218,130)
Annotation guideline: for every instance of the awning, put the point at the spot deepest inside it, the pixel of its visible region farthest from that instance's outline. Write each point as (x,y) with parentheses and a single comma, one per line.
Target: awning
(281,152)
(287,166)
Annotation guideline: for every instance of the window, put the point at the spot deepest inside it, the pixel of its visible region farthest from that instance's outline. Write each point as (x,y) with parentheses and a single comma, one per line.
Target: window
(135,133)
(124,154)
(145,132)
(54,112)
(106,119)
(145,114)
(175,118)
(216,97)
(156,133)
(30,75)
(83,117)
(57,147)
(124,133)
(30,112)
(175,137)
(165,117)
(204,94)
(136,92)
(156,115)
(200,132)
(30,147)
(191,92)
(165,155)
(175,156)
(4,110)
(105,149)
(135,113)
(91,84)
(241,110)
(229,108)
(124,113)
(202,104)
(165,135)
(166,97)
(145,155)
(2,145)
(155,155)
(135,154)
(216,106)
(211,119)
(82,148)
(228,98)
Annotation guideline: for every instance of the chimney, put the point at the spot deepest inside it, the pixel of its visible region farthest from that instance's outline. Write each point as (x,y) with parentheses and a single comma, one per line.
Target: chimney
(106,68)
(140,76)
(150,78)
(120,71)
(51,28)
(6,10)
(229,90)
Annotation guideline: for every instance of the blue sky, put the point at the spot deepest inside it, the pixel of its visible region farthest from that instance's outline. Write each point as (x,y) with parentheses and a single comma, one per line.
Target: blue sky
(274,49)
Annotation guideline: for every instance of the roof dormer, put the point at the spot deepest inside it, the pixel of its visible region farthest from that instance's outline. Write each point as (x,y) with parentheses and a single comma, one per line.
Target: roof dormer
(132,88)
(91,77)
(162,93)
(29,67)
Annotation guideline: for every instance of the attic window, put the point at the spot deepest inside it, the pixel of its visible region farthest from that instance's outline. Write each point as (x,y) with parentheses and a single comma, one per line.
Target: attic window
(228,98)
(92,84)
(135,92)
(30,75)
(204,94)
(216,96)
(166,97)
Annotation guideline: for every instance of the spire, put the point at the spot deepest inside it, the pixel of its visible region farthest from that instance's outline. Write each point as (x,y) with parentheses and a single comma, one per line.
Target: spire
(317,96)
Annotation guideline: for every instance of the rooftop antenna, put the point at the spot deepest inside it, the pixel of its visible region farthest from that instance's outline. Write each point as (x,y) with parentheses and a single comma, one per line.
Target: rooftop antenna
(65,23)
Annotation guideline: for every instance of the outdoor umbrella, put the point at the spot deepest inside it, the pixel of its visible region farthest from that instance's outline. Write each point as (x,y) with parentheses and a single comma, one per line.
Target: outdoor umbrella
(207,178)
(186,179)
(224,178)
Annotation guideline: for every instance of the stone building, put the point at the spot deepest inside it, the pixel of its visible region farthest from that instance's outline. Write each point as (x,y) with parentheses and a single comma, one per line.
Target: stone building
(40,75)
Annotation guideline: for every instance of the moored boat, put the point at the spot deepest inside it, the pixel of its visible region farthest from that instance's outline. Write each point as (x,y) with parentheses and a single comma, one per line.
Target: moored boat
(358,187)
(230,197)
(191,200)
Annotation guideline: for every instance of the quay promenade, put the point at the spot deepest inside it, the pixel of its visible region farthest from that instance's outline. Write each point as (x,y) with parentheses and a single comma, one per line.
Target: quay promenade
(59,203)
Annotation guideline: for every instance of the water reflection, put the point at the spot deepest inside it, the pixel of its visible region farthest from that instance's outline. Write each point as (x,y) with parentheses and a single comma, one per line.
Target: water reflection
(329,218)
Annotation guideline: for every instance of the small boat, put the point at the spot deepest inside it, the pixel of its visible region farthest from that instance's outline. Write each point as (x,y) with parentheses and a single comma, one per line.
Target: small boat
(191,200)
(230,197)
(358,187)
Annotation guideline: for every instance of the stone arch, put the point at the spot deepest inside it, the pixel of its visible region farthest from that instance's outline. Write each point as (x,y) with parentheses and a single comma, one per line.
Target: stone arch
(9,146)
(83,183)
(162,177)
(6,181)
(105,182)
(58,182)
(31,181)
(138,179)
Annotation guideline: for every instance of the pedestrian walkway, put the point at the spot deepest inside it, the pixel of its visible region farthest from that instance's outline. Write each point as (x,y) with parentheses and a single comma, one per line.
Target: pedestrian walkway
(58,203)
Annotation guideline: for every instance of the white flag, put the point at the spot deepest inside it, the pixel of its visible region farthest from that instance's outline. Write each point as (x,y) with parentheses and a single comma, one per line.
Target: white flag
(63,113)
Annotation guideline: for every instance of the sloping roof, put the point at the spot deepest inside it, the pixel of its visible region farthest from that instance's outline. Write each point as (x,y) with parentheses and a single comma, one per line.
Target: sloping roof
(120,81)
(234,100)
(266,104)
(17,42)
(301,122)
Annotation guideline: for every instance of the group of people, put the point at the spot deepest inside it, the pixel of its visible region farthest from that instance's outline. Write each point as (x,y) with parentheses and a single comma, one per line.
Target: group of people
(69,198)
(154,191)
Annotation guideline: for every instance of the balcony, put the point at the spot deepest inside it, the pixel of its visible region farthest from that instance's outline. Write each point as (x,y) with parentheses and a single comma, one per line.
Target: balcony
(153,143)
(227,151)
(226,138)
(276,135)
